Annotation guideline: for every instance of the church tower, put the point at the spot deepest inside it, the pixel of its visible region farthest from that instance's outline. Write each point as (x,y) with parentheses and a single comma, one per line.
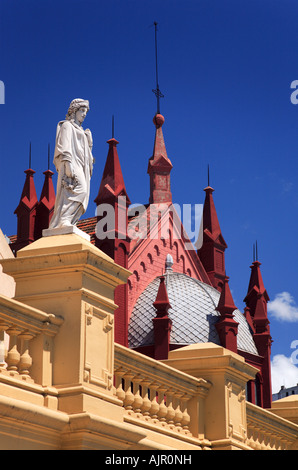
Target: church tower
(159,167)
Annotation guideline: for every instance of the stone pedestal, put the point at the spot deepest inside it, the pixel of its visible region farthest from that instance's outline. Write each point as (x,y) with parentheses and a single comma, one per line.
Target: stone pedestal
(50,232)
(225,405)
(65,275)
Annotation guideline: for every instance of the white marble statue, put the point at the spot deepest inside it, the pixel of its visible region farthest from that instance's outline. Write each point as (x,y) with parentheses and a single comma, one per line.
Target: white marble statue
(74,163)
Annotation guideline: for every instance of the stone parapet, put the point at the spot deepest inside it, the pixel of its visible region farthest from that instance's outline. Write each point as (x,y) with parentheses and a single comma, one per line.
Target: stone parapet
(66,277)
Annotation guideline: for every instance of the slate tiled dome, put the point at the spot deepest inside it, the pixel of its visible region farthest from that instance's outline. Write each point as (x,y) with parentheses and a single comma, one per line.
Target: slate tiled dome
(192,313)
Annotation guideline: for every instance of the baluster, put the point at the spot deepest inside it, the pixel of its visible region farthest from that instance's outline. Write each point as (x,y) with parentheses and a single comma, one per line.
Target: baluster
(13,355)
(146,405)
(185,416)
(138,401)
(267,440)
(120,393)
(171,412)
(284,444)
(3,328)
(264,440)
(178,412)
(275,443)
(154,404)
(25,359)
(255,437)
(162,412)
(257,440)
(129,396)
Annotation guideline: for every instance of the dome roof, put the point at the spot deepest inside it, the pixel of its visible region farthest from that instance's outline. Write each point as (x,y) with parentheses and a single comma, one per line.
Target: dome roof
(192,312)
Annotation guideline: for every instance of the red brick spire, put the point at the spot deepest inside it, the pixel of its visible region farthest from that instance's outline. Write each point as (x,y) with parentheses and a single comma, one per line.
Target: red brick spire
(256,291)
(45,208)
(213,248)
(227,327)
(256,301)
(162,323)
(114,240)
(112,183)
(159,167)
(26,212)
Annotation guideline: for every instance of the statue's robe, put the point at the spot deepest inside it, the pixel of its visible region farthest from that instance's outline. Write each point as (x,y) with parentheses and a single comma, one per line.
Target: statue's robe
(72,145)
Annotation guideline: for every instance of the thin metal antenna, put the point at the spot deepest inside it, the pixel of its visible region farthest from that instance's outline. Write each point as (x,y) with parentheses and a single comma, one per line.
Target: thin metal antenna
(208,176)
(30,156)
(48,156)
(113,127)
(157,91)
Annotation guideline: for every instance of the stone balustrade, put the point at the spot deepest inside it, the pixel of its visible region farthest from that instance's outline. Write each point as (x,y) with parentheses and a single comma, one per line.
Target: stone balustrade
(162,398)
(266,431)
(157,396)
(23,326)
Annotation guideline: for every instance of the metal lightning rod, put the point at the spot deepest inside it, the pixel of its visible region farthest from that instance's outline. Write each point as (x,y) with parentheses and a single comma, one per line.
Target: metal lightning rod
(30,156)
(157,91)
(49,156)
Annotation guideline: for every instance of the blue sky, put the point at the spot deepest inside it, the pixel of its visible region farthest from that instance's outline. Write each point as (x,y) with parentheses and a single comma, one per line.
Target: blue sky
(225,68)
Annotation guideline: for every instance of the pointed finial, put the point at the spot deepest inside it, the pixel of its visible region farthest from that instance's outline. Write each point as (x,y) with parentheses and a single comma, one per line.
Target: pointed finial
(30,156)
(226,304)
(208,187)
(157,91)
(113,127)
(48,156)
(162,303)
(169,263)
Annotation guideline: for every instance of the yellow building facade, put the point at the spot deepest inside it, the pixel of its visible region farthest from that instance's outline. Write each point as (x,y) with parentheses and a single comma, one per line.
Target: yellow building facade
(66,385)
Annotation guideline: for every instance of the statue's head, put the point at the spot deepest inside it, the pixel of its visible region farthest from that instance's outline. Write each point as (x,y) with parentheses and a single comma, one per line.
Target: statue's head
(77,110)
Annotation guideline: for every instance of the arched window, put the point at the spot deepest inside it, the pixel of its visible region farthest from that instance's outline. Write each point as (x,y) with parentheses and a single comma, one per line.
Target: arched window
(175,250)
(183,263)
(142,264)
(121,255)
(150,258)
